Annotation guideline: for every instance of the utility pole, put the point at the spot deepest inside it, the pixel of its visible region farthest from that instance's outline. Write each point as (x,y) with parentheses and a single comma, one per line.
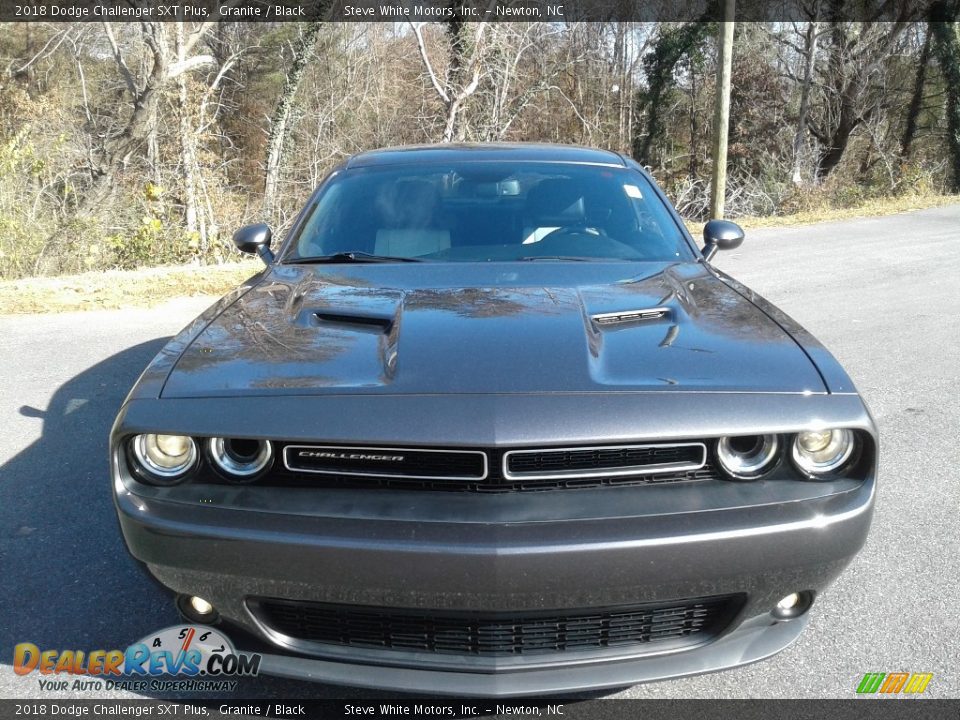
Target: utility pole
(721,120)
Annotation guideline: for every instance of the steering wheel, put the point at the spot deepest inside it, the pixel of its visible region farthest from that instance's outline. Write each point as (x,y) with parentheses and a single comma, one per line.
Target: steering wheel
(570,240)
(568,231)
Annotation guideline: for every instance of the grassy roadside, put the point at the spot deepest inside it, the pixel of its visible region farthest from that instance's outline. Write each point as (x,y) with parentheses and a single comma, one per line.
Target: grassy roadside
(120,288)
(872,208)
(153,286)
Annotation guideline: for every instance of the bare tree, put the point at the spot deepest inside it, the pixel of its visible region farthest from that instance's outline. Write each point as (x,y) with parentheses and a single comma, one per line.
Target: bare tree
(166,63)
(947,48)
(852,84)
(808,54)
(277,137)
(916,98)
(466,52)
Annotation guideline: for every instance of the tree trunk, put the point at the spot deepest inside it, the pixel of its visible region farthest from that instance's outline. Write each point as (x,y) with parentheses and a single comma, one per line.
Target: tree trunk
(693,163)
(462,54)
(832,154)
(946,45)
(464,66)
(916,100)
(281,115)
(810,46)
(857,53)
(846,86)
(187,155)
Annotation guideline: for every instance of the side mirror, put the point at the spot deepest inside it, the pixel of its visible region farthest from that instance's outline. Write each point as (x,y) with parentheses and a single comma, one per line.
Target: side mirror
(720,235)
(255,240)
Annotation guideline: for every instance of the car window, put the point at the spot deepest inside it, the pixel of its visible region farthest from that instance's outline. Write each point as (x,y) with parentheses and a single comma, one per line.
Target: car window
(479,211)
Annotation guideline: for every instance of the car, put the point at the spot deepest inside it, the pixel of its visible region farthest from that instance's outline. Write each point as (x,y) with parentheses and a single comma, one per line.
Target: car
(489,422)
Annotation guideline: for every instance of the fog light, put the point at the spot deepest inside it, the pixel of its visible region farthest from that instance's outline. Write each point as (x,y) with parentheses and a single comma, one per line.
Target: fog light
(788,603)
(197,610)
(793,605)
(200,606)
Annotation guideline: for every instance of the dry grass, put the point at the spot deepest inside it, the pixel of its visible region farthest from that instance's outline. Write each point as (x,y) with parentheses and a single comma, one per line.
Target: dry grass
(872,208)
(120,288)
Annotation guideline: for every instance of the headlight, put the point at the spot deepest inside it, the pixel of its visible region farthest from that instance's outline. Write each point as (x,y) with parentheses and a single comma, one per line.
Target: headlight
(167,458)
(747,456)
(240,459)
(821,452)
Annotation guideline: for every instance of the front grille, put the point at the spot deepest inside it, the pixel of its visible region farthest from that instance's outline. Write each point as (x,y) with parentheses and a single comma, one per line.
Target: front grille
(599,461)
(680,623)
(494,482)
(588,468)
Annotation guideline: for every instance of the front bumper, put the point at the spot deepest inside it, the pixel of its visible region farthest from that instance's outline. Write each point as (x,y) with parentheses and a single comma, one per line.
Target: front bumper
(504,552)
(520,552)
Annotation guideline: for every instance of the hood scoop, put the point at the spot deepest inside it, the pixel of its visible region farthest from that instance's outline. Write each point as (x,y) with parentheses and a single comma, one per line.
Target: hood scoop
(355,321)
(624,317)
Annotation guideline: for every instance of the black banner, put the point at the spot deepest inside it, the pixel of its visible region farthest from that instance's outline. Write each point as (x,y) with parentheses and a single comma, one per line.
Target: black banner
(560,11)
(558,709)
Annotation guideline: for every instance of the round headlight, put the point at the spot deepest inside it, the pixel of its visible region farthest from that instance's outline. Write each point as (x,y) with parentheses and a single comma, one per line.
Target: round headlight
(821,452)
(240,459)
(747,456)
(165,457)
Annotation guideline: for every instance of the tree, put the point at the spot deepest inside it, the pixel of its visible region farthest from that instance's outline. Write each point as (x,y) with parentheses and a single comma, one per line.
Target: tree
(916,98)
(809,56)
(947,50)
(164,66)
(659,66)
(852,84)
(302,47)
(465,65)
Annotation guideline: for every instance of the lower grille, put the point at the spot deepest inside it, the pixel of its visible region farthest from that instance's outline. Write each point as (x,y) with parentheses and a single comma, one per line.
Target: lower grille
(684,622)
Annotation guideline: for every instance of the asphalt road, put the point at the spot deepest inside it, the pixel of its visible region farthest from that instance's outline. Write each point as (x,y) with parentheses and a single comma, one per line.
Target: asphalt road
(883,294)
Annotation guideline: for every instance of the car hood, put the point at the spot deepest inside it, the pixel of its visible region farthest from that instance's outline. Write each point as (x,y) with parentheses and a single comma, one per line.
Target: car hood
(545,327)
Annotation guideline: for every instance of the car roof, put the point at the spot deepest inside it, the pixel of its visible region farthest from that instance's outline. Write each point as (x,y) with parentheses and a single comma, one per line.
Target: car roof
(485,152)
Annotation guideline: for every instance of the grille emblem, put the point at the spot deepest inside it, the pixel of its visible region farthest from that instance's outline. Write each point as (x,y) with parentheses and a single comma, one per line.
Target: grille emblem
(387,462)
(350,456)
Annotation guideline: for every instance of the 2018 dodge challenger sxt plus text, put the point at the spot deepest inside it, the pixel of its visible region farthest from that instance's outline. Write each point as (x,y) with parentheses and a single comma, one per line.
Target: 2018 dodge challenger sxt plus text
(489,422)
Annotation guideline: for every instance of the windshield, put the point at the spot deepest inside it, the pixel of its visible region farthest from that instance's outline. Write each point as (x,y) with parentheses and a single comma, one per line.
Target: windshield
(479,211)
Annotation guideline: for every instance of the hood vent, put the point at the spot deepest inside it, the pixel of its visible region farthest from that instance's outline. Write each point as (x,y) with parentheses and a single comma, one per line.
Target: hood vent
(366,322)
(630,316)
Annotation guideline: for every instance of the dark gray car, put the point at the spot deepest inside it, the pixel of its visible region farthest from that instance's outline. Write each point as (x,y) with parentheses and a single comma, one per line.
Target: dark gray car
(490,423)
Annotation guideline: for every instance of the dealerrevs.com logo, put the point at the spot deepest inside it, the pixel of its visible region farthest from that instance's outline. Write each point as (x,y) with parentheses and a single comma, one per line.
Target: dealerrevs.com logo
(181,658)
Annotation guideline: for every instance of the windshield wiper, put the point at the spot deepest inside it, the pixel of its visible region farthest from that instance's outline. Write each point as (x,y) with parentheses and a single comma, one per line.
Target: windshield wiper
(353,256)
(571,258)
